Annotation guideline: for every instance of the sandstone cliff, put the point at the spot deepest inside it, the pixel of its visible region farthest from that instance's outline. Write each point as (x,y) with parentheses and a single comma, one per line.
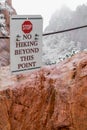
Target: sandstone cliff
(53,98)
(6,10)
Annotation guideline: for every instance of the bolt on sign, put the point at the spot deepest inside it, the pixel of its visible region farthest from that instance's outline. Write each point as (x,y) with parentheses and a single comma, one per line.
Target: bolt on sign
(25,43)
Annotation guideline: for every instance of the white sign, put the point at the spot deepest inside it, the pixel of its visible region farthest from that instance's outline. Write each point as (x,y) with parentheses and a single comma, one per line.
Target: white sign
(25,43)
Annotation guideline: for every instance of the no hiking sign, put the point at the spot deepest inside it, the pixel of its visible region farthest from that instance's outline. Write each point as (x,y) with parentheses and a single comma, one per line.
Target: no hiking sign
(25,43)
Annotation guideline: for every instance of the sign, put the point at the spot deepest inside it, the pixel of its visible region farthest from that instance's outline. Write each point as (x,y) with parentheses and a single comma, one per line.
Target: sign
(25,43)
(27,26)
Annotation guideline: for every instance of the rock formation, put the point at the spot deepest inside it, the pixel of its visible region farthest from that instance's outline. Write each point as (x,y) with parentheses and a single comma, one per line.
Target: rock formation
(9,2)
(5,11)
(53,98)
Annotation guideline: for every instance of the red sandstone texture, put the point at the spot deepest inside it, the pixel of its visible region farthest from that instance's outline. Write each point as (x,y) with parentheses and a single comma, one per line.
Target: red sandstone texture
(53,98)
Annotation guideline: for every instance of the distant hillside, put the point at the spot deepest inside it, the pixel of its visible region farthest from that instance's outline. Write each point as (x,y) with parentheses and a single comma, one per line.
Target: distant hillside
(60,45)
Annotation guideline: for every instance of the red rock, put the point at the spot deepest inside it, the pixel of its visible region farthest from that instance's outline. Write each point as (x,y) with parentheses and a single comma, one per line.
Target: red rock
(9,2)
(5,43)
(53,98)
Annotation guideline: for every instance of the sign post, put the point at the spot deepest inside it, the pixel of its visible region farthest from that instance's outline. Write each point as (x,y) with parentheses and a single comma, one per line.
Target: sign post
(25,43)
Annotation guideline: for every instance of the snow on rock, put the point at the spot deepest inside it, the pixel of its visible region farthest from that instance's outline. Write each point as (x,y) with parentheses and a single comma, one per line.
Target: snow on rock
(60,46)
(4,31)
(52,98)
